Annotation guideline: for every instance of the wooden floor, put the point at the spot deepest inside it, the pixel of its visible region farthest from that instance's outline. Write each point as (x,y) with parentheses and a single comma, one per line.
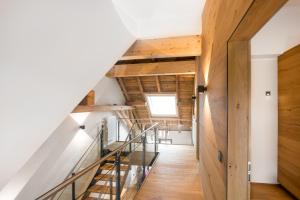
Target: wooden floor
(268,192)
(174,176)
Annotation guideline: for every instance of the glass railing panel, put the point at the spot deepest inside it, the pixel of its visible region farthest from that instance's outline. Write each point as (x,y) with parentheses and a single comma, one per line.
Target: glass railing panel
(141,157)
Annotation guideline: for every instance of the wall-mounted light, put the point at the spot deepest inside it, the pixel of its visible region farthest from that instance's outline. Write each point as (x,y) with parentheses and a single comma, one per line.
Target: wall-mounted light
(220,156)
(82,127)
(268,93)
(202,89)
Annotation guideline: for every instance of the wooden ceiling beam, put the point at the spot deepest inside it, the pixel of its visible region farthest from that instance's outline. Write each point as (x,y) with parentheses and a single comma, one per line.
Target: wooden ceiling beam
(89,99)
(138,79)
(164,119)
(142,92)
(153,69)
(124,119)
(158,84)
(137,103)
(123,88)
(144,103)
(178,99)
(183,46)
(98,108)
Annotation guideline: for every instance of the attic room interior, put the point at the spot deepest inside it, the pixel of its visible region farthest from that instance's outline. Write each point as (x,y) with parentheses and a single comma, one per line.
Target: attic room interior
(150,100)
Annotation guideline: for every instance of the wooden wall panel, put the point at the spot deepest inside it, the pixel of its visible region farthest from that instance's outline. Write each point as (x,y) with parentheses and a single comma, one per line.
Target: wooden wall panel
(227,25)
(238,119)
(220,19)
(239,74)
(289,120)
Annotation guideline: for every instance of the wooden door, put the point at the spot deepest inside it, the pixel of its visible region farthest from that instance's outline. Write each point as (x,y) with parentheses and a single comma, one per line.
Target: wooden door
(289,120)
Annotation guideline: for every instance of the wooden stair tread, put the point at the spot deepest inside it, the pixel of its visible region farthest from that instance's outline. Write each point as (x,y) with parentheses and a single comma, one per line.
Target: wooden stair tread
(123,159)
(106,177)
(91,198)
(111,166)
(103,189)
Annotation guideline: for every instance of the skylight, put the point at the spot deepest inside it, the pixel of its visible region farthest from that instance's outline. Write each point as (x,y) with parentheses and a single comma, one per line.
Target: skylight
(162,105)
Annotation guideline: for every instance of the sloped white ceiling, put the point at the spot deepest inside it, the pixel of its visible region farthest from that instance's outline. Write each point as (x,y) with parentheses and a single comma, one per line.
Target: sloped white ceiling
(281,33)
(52,53)
(161,18)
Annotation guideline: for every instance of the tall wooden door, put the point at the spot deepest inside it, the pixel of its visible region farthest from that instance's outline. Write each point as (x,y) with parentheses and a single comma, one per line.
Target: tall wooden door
(289,120)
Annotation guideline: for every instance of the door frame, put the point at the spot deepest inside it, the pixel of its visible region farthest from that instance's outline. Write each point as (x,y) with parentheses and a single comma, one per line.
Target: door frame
(239,76)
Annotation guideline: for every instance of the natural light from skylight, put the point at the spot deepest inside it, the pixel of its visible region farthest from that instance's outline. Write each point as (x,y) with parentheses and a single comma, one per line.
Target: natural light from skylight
(162,105)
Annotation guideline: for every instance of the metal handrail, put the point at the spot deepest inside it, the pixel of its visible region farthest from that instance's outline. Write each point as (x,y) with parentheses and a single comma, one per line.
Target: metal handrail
(70,180)
(85,153)
(87,150)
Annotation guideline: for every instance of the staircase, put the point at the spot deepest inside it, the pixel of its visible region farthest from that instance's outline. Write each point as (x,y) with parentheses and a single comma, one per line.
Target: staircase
(117,172)
(104,182)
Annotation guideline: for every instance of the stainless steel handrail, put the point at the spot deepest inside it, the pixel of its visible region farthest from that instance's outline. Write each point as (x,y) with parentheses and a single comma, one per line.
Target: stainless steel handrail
(86,152)
(70,180)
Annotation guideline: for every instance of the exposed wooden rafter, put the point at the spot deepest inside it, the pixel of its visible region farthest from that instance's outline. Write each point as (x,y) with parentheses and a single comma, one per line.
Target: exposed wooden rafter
(141,89)
(142,93)
(89,99)
(153,69)
(143,103)
(98,108)
(123,117)
(123,88)
(178,97)
(158,84)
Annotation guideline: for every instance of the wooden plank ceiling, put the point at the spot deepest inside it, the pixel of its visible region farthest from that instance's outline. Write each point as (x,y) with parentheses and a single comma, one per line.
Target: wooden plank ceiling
(159,66)
(181,84)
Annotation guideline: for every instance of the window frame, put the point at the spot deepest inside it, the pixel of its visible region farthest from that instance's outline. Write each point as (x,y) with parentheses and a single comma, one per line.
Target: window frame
(162,115)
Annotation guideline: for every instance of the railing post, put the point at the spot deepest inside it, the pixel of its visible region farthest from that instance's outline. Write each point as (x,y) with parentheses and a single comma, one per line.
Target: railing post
(111,188)
(118,175)
(155,138)
(73,189)
(144,157)
(130,144)
(101,141)
(118,131)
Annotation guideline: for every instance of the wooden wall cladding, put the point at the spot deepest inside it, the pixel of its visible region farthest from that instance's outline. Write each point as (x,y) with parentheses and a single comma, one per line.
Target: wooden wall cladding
(220,19)
(239,74)
(289,120)
(228,26)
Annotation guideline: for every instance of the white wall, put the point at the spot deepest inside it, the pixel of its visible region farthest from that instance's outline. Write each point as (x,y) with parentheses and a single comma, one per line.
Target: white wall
(281,33)
(180,138)
(51,163)
(51,54)
(183,137)
(264,120)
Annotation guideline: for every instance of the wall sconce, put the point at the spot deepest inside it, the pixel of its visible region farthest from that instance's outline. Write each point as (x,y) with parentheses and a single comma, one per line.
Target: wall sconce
(202,89)
(82,127)
(268,93)
(220,156)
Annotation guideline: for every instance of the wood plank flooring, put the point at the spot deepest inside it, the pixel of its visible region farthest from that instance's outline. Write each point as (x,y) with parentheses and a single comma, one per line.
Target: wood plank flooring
(174,176)
(261,191)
